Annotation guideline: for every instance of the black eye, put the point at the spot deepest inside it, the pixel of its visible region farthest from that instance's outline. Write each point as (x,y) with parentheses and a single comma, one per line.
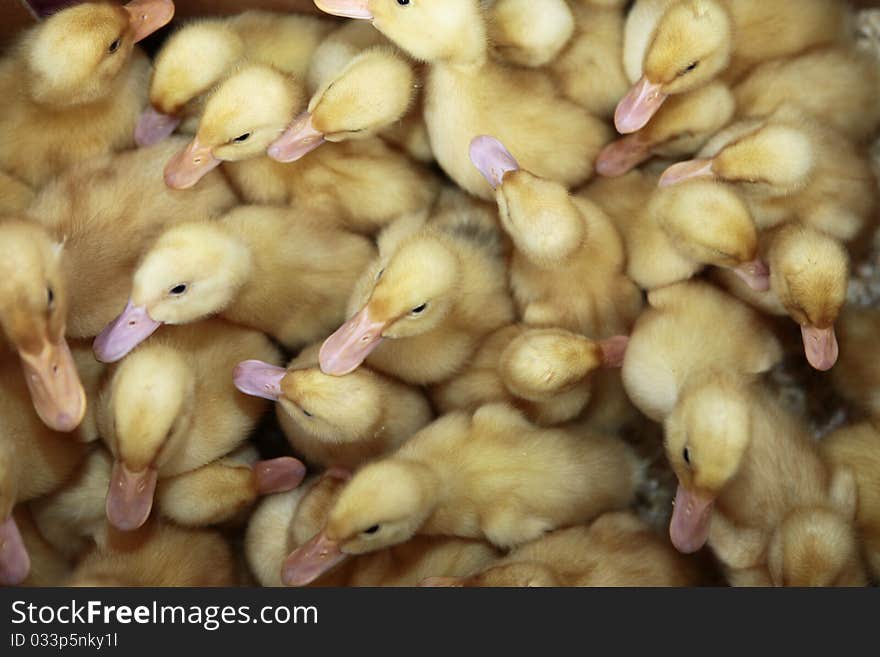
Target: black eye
(178,289)
(420,309)
(306,413)
(403,3)
(690,67)
(242,138)
(51,296)
(374,528)
(687,456)
(114,46)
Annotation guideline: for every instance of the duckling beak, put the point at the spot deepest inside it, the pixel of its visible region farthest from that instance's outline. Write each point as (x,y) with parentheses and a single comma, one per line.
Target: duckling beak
(821,347)
(691,519)
(492,159)
(297,141)
(124,333)
(344,351)
(259,379)
(147,16)
(130,496)
(311,560)
(15,564)
(614,351)
(346,8)
(639,106)
(442,582)
(53,381)
(278,475)
(756,275)
(153,127)
(689,170)
(622,156)
(188,167)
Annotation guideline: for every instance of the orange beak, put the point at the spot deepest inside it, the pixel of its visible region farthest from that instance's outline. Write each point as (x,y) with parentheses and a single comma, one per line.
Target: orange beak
(56,391)
(147,16)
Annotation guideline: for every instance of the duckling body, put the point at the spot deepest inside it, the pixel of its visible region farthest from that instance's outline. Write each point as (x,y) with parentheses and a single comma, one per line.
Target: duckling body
(15,196)
(857,375)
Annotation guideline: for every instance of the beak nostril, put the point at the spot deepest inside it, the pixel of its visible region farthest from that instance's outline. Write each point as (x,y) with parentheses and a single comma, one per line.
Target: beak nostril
(132,323)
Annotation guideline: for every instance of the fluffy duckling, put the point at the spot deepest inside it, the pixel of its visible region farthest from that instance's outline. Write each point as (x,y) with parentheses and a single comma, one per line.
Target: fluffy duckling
(161,556)
(424,306)
(283,522)
(362,184)
(491,475)
(15,196)
(274,269)
(374,90)
(681,128)
(337,421)
(468,94)
(661,356)
(73,86)
(48,566)
(790,168)
(551,375)
(201,53)
(857,375)
(675,46)
(567,268)
(171,407)
(107,212)
(338,49)
(808,279)
(529,34)
(857,448)
(617,549)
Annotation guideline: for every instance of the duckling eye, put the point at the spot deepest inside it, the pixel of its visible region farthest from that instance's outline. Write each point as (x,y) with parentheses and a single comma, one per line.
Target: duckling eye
(687,456)
(50,295)
(114,46)
(177,290)
(419,310)
(403,3)
(689,68)
(306,413)
(241,138)
(374,528)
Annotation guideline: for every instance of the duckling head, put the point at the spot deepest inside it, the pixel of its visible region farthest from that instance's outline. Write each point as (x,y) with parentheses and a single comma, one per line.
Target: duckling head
(709,224)
(692,44)
(809,272)
(151,394)
(707,435)
(191,62)
(244,115)
(383,505)
(33,315)
(75,56)
(412,294)
(429,30)
(514,575)
(193,271)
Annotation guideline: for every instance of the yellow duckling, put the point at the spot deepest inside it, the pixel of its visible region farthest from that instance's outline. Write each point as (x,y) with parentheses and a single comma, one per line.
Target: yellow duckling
(468,94)
(617,549)
(424,306)
(283,522)
(48,567)
(201,53)
(856,448)
(337,421)
(274,269)
(362,184)
(808,279)
(73,86)
(491,475)
(661,356)
(857,375)
(790,168)
(567,268)
(675,46)
(15,196)
(171,407)
(528,33)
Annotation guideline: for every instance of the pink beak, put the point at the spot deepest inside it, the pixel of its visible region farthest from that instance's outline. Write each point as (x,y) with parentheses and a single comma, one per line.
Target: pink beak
(259,379)
(492,159)
(124,333)
(147,16)
(639,106)
(279,475)
(130,496)
(154,126)
(821,347)
(691,519)
(15,564)
(53,381)
(188,167)
(689,170)
(622,156)
(346,8)
(311,560)
(344,351)
(297,141)
(614,351)
(756,275)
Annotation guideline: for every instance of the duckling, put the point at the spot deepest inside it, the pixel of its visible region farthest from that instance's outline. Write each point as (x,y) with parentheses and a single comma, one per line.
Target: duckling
(790,167)
(171,407)
(375,90)
(283,522)
(48,567)
(338,49)
(675,46)
(202,52)
(74,85)
(363,184)
(681,128)
(491,475)
(274,269)
(107,212)
(164,556)
(856,447)
(808,280)
(551,375)
(337,421)
(468,94)
(424,306)
(529,34)
(14,194)
(617,549)
(567,268)
(857,375)
(661,356)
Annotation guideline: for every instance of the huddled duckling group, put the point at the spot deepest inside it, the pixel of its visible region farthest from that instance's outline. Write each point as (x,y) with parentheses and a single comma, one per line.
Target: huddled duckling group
(484,257)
